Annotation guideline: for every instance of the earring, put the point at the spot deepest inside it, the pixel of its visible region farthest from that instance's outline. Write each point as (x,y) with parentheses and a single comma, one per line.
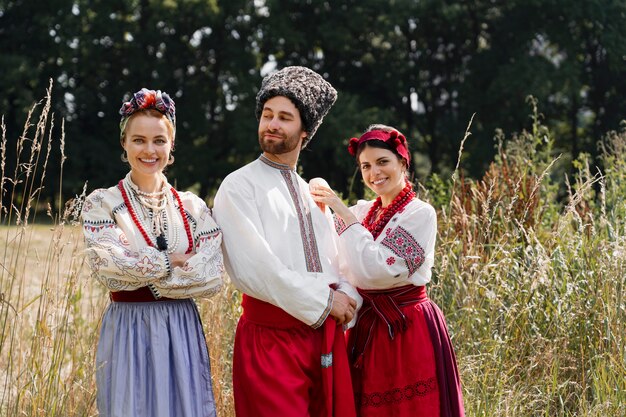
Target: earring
(124,157)
(170,160)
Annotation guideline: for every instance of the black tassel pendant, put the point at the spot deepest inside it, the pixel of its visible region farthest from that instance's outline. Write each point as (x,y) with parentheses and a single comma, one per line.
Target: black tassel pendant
(161,242)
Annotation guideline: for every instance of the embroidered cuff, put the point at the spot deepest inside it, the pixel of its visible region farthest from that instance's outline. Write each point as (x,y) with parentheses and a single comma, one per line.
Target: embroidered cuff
(340,225)
(329,306)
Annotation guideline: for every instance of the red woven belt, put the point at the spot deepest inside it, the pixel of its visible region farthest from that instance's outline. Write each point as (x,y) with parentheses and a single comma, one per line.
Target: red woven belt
(385,306)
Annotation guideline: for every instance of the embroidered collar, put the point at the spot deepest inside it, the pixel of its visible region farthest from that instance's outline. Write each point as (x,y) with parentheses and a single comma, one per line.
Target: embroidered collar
(273,164)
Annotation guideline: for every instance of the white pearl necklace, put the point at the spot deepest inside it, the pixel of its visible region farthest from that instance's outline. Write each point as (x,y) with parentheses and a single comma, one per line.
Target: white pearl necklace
(153,195)
(157,217)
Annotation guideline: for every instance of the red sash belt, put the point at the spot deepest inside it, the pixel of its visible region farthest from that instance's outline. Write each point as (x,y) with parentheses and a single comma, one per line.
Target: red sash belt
(266,314)
(383,305)
(140,295)
(336,378)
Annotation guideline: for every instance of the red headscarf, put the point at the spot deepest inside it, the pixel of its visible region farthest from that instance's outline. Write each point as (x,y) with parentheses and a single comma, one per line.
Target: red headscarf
(394,139)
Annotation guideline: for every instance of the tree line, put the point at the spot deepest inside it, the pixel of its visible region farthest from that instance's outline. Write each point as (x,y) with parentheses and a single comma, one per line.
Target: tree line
(423,66)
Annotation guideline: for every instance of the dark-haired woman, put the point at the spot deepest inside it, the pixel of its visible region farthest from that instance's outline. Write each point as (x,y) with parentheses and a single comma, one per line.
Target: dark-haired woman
(402,360)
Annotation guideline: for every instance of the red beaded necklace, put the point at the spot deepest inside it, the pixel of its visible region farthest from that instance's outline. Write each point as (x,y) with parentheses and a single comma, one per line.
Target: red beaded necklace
(133,215)
(399,202)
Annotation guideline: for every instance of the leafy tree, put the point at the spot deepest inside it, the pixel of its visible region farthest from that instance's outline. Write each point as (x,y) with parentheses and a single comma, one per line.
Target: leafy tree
(422,66)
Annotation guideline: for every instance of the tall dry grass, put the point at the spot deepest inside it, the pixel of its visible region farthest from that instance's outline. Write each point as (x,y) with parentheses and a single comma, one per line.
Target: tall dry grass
(533,289)
(49,308)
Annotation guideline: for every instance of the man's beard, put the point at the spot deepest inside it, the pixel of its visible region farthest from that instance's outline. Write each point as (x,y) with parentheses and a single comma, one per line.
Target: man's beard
(287,144)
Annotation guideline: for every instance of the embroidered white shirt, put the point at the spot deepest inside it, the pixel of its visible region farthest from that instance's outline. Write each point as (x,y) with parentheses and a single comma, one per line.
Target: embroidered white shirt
(402,254)
(121,259)
(278,245)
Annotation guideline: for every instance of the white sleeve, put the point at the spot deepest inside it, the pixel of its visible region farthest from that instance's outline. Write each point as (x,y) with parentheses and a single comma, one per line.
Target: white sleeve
(343,285)
(113,262)
(252,265)
(404,253)
(202,274)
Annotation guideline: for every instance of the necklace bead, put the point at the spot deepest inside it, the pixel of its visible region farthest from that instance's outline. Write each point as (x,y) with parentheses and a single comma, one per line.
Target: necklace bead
(133,214)
(375,222)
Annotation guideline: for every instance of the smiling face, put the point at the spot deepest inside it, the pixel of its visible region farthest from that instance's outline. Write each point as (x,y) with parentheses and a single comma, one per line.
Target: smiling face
(382,171)
(280,128)
(148,142)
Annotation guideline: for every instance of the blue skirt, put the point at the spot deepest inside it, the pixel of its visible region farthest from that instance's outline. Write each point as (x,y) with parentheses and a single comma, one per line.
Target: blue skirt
(152,360)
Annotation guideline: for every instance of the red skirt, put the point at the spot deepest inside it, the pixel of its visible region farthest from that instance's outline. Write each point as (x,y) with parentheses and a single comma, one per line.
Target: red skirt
(402,362)
(284,368)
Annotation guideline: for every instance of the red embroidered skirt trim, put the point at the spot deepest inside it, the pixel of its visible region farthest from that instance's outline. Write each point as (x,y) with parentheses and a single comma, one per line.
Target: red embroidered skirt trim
(407,367)
(282,367)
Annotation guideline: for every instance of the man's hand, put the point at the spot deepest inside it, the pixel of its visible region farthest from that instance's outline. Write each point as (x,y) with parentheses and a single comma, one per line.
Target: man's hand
(343,309)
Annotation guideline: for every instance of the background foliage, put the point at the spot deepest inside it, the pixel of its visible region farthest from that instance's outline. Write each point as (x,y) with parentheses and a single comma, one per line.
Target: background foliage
(422,66)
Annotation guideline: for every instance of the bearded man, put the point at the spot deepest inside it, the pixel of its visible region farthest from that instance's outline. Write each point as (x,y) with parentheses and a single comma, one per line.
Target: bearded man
(289,358)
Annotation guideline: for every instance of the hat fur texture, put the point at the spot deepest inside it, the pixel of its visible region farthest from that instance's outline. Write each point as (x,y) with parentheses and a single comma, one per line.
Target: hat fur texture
(310,93)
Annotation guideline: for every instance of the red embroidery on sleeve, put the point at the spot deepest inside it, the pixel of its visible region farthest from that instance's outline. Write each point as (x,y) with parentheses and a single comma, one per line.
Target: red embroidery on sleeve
(340,225)
(402,243)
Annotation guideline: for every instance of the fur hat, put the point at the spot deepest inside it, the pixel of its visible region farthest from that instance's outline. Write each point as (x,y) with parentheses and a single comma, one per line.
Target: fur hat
(310,93)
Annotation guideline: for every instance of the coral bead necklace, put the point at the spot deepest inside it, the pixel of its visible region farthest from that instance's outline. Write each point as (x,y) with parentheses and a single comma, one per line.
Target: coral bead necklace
(376,220)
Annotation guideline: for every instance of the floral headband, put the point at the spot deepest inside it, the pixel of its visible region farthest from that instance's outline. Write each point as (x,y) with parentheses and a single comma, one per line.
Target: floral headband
(145,99)
(393,138)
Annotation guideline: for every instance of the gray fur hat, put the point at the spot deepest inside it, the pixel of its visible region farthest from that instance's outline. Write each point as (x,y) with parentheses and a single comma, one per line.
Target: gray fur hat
(310,93)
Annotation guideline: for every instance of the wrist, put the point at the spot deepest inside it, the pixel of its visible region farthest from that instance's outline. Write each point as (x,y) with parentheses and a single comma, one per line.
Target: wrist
(345,214)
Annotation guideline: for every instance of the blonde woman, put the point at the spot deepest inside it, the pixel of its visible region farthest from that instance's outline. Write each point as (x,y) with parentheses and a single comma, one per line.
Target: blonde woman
(153,248)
